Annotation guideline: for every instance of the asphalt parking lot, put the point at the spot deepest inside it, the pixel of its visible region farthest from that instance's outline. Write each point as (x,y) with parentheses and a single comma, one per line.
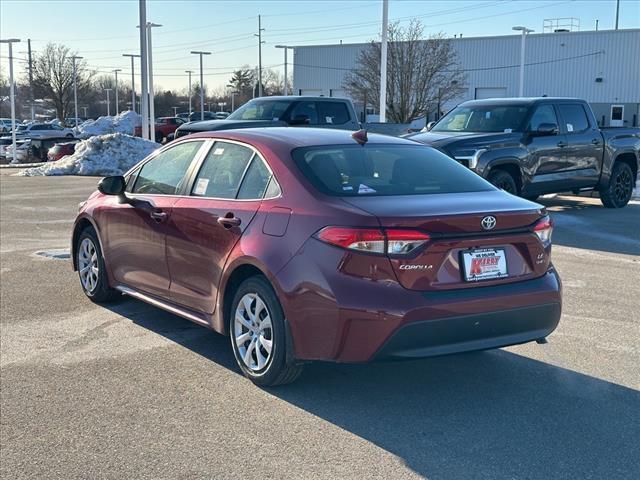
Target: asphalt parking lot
(134,392)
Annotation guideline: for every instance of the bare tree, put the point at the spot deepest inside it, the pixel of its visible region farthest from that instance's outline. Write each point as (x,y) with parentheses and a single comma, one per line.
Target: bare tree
(53,78)
(421,74)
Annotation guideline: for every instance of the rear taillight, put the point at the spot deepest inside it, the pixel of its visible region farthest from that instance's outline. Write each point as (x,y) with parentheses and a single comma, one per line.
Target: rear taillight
(543,229)
(372,240)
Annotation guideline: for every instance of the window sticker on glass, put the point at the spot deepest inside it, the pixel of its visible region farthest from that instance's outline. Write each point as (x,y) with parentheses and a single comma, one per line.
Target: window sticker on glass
(201,186)
(328,119)
(508,130)
(365,189)
(569,127)
(347,188)
(218,151)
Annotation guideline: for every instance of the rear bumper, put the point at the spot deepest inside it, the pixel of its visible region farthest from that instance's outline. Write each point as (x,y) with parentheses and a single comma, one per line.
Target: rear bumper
(471,332)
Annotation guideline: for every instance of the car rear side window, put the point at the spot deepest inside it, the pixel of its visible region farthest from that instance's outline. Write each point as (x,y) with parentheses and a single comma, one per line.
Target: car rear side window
(332,113)
(379,170)
(164,174)
(255,180)
(574,117)
(222,171)
(543,114)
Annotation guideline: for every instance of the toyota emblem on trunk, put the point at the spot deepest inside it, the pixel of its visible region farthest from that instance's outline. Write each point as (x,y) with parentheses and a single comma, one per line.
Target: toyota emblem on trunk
(488,222)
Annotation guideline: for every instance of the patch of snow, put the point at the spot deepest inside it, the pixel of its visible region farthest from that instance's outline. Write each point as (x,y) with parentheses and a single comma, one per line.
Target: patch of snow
(636,191)
(124,122)
(102,155)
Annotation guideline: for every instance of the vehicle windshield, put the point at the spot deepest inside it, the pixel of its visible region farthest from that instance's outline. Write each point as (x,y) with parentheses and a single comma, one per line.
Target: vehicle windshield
(483,118)
(261,110)
(380,170)
(21,127)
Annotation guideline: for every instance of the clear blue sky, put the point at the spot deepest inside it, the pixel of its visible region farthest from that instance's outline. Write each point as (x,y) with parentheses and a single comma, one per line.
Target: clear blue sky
(101,31)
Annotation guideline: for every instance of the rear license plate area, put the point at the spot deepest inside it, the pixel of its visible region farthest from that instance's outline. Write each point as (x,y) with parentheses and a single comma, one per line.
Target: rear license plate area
(483,264)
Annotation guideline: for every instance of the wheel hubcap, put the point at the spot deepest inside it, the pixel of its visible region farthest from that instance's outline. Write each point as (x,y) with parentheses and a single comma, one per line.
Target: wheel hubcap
(623,186)
(253,332)
(88,265)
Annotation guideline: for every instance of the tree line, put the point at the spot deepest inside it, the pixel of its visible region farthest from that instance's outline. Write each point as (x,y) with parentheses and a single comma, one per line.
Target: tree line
(52,72)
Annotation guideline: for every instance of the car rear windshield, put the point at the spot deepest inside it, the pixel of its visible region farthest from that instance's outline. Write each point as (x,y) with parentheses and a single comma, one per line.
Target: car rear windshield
(483,118)
(379,170)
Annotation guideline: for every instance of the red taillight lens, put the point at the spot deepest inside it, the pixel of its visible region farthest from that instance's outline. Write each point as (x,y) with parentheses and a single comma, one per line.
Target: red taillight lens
(390,241)
(543,229)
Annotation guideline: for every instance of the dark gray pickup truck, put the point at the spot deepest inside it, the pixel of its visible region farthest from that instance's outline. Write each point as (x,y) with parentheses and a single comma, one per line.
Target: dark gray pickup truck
(319,112)
(534,146)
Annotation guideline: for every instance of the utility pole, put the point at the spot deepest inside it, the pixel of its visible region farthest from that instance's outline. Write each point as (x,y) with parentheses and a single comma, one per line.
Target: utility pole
(617,12)
(201,53)
(75,89)
(144,99)
(108,102)
(133,80)
(189,72)
(152,108)
(383,61)
(260,42)
(524,31)
(33,105)
(12,95)
(116,72)
(286,78)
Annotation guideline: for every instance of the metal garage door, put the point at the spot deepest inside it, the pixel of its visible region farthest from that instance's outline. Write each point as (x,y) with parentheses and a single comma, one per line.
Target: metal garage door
(490,92)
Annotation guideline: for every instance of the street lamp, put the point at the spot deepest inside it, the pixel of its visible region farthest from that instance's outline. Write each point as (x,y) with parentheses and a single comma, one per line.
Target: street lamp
(116,72)
(233,94)
(524,31)
(12,94)
(75,88)
(108,103)
(189,72)
(175,111)
(286,47)
(133,81)
(85,111)
(201,53)
(152,110)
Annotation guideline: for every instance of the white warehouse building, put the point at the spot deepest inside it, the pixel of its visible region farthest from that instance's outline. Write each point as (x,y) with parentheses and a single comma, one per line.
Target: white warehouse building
(602,67)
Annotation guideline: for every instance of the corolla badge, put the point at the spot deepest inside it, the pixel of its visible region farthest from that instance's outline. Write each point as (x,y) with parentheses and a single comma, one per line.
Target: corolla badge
(488,222)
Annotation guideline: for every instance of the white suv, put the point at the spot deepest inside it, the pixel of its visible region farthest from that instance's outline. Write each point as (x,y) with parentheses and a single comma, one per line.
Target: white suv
(43,130)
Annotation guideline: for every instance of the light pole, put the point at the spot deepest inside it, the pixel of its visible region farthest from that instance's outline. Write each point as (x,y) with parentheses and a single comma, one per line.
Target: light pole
(175,111)
(85,111)
(152,109)
(108,102)
(12,94)
(75,87)
(233,94)
(260,42)
(201,53)
(116,72)
(524,31)
(133,80)
(189,72)
(286,78)
(222,104)
(383,61)
(144,99)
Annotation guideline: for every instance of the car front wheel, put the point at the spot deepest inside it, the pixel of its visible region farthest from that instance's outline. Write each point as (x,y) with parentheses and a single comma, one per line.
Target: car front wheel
(91,269)
(503,179)
(258,336)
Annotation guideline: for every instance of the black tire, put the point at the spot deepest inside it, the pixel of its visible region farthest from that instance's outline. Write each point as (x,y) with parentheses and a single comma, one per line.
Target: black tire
(280,368)
(100,292)
(159,138)
(504,180)
(618,193)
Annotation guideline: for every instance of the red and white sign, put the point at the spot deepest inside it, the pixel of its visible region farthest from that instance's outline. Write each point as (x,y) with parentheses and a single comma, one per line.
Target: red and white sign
(484,264)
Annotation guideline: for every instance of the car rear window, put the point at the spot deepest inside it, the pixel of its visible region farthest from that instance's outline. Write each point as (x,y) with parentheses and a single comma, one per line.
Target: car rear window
(379,170)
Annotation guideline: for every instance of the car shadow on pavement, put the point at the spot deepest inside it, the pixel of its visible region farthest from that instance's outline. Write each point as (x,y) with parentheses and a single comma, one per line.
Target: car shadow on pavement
(491,414)
(583,222)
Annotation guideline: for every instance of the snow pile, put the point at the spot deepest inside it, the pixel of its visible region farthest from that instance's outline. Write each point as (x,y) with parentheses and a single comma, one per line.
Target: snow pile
(636,191)
(102,155)
(124,122)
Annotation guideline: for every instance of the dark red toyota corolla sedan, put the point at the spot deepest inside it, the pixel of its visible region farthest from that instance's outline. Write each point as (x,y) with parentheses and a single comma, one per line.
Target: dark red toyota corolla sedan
(308,244)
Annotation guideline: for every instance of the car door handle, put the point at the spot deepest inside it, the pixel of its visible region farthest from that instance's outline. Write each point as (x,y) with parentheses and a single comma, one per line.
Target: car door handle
(229,220)
(159,216)
(595,141)
(562,144)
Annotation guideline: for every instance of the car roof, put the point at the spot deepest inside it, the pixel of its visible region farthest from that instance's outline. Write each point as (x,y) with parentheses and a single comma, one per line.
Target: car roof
(302,97)
(517,101)
(295,137)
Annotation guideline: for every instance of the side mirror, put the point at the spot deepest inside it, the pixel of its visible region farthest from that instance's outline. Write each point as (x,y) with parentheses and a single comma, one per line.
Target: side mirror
(430,125)
(112,185)
(300,120)
(545,129)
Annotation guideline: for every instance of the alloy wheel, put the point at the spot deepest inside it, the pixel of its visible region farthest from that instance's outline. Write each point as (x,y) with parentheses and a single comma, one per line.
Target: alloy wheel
(88,266)
(623,186)
(253,332)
